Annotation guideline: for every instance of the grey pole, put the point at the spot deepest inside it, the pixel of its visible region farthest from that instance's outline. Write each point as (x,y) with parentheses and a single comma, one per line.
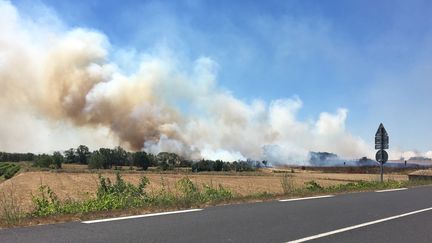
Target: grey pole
(382,172)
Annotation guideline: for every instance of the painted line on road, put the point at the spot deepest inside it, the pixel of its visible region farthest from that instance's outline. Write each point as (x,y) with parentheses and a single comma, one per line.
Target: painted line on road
(140,216)
(392,190)
(304,198)
(313,237)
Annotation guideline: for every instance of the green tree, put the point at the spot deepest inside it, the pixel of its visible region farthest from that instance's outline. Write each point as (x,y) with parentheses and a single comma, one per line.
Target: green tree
(83,154)
(96,160)
(141,159)
(58,159)
(43,160)
(167,160)
(70,156)
(120,156)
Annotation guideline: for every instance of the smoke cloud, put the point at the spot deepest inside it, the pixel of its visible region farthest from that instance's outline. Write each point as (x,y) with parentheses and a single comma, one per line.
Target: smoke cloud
(62,87)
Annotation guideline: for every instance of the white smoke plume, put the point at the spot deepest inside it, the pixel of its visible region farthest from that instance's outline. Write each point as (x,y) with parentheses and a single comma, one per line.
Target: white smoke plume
(61,87)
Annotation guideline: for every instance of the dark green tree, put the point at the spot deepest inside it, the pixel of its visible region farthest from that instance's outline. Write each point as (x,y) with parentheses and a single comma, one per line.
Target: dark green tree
(43,160)
(141,159)
(70,156)
(120,156)
(83,154)
(58,159)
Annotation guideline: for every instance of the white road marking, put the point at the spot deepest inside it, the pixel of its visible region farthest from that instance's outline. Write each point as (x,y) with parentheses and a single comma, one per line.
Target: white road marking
(392,190)
(139,216)
(304,198)
(358,226)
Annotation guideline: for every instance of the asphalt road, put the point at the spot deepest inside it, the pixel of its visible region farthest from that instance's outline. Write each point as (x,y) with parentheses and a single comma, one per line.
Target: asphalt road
(396,216)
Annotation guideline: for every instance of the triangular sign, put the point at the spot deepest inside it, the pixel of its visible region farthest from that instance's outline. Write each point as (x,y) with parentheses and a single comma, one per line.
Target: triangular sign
(381,131)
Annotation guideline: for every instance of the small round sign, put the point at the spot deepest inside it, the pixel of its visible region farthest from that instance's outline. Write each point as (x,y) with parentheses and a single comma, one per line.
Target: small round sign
(381,156)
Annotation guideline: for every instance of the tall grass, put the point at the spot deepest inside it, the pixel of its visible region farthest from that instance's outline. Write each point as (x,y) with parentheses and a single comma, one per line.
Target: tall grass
(10,209)
(287,183)
(122,195)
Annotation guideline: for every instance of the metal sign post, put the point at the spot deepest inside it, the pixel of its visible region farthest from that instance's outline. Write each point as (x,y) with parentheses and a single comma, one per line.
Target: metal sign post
(381,143)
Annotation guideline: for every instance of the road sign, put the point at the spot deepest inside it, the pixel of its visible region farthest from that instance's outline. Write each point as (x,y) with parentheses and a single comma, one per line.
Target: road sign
(381,138)
(381,143)
(381,156)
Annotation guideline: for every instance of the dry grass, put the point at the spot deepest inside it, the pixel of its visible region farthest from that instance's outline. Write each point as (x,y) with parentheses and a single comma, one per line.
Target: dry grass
(79,186)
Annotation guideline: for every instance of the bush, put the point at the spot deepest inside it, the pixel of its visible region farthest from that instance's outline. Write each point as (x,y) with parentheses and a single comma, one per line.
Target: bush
(109,196)
(47,203)
(164,165)
(287,184)
(121,194)
(313,186)
(43,161)
(191,193)
(211,194)
(189,190)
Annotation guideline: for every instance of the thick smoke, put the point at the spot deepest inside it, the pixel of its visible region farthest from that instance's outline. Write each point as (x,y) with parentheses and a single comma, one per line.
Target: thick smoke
(62,87)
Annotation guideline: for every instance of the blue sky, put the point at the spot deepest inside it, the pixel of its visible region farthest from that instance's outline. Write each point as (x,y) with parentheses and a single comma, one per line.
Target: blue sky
(373,58)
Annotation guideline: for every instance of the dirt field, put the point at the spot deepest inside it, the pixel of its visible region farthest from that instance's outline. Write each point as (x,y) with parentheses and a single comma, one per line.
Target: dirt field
(78,186)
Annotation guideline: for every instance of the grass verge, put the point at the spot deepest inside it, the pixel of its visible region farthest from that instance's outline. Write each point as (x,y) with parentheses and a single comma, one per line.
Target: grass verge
(121,198)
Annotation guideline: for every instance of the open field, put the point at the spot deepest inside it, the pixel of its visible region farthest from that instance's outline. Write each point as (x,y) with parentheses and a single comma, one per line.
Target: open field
(80,186)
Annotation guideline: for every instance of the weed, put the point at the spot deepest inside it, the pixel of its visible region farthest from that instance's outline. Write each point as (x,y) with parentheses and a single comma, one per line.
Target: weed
(287,183)
(10,210)
(313,186)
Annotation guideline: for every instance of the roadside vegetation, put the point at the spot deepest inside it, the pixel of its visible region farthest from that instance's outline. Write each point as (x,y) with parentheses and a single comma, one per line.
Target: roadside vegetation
(124,195)
(121,196)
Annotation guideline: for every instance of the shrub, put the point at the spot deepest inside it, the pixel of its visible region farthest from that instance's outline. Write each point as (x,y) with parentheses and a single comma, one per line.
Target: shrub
(287,184)
(122,194)
(43,160)
(164,165)
(189,191)
(216,194)
(313,186)
(47,203)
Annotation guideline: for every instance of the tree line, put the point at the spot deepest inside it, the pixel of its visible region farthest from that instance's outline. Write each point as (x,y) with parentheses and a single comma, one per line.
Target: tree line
(107,158)
(16,157)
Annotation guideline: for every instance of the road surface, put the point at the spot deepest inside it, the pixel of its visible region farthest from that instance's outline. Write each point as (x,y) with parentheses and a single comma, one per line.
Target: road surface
(389,216)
